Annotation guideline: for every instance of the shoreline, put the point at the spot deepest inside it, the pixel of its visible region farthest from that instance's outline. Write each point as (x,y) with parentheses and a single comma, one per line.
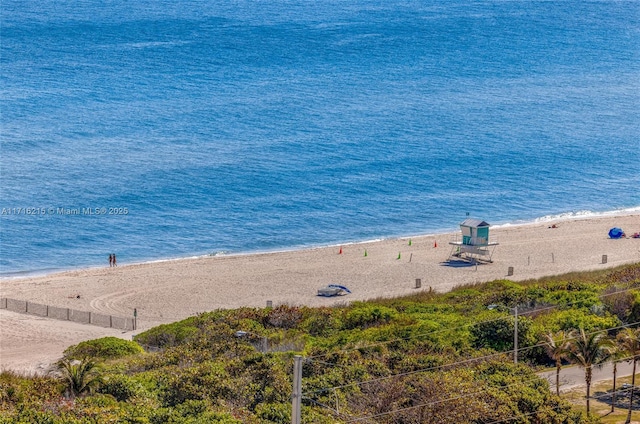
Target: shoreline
(566,216)
(167,291)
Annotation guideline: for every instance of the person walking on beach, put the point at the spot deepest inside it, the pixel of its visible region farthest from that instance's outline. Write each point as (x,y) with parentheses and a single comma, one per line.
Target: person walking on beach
(114,259)
(110,260)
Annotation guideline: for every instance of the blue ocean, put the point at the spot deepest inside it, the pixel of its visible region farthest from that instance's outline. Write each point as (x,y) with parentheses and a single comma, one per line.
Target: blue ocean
(159,130)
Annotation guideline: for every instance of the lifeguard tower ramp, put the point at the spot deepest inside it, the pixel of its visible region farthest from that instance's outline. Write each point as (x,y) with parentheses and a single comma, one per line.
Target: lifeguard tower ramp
(473,243)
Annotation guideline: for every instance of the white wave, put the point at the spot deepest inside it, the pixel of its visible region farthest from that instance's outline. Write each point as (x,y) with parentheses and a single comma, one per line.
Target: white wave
(567,216)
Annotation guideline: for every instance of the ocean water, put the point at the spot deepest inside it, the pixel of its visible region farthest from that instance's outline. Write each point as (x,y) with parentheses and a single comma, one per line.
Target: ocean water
(160,130)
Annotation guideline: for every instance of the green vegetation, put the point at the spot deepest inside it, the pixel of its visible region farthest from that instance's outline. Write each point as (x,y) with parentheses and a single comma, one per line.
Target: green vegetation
(588,350)
(426,358)
(80,376)
(629,342)
(104,348)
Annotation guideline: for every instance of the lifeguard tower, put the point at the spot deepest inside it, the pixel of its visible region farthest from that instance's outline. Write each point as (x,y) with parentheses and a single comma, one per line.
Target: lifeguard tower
(473,242)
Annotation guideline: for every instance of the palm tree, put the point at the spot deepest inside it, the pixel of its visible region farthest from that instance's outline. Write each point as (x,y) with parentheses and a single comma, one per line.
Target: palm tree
(80,376)
(629,340)
(588,350)
(557,346)
(616,353)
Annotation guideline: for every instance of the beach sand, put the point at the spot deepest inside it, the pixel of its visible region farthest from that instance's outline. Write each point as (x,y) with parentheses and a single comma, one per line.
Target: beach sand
(168,291)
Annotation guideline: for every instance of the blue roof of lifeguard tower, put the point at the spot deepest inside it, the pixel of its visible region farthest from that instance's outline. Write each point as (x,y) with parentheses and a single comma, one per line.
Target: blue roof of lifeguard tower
(469,222)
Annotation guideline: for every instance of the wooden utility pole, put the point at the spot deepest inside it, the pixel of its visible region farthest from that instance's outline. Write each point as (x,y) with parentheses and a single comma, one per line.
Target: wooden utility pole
(515,337)
(296,398)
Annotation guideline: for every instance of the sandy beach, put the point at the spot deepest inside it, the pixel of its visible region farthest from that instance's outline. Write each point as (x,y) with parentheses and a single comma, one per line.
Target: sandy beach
(168,291)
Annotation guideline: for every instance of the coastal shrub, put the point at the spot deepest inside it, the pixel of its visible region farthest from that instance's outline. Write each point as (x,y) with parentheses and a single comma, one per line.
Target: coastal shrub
(574,299)
(627,275)
(253,314)
(444,327)
(365,315)
(30,415)
(504,292)
(498,334)
(265,380)
(516,386)
(218,337)
(274,412)
(104,348)
(284,316)
(634,313)
(206,381)
(572,285)
(167,335)
(463,296)
(570,319)
(10,393)
(320,321)
(425,397)
(191,412)
(410,363)
(398,331)
(535,293)
(619,304)
(121,387)
(428,309)
(18,390)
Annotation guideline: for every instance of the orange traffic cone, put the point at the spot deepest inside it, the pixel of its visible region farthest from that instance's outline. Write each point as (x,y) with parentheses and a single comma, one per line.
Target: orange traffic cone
(435,243)
(340,252)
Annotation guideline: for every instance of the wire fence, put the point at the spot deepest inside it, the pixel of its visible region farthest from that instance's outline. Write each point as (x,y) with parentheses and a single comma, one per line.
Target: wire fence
(67,314)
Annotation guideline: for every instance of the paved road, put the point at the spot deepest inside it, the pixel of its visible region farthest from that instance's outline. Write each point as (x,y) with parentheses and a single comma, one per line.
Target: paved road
(573,376)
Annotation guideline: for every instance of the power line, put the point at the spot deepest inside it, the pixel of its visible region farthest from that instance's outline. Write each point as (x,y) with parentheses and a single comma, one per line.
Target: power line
(535,412)
(458,397)
(312,358)
(520,383)
(453,364)
(417,336)
(440,401)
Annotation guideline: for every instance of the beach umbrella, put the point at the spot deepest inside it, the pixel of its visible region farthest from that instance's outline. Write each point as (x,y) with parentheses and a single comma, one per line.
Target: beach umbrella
(616,233)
